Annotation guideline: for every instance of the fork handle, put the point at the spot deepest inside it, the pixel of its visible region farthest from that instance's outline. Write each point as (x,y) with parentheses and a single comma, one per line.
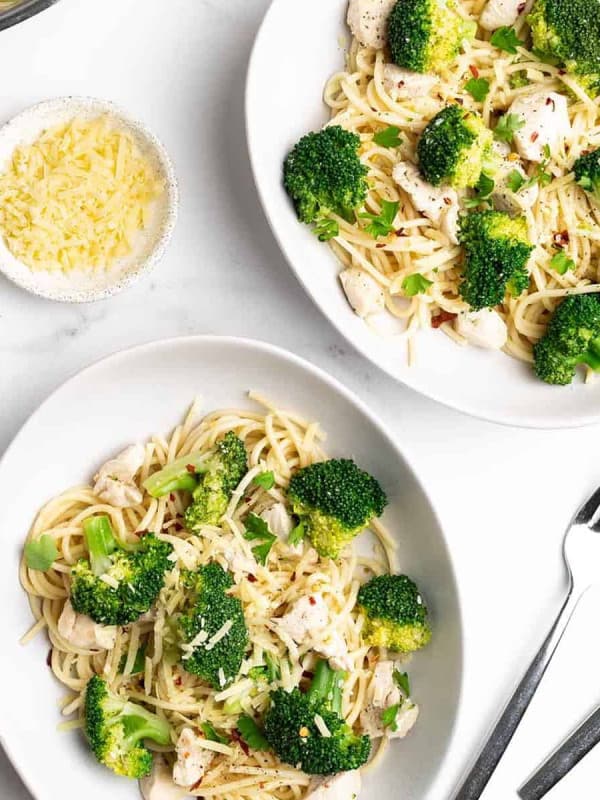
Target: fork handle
(474,785)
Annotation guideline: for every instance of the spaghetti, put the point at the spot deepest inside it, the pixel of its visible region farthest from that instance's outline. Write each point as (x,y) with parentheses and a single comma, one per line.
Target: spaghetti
(360,101)
(277,441)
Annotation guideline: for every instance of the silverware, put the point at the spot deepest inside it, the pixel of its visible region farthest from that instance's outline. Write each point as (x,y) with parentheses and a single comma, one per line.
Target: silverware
(563,760)
(581,550)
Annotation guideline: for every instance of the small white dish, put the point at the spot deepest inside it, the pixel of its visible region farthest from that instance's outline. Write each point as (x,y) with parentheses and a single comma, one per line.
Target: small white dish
(286,78)
(86,420)
(83,286)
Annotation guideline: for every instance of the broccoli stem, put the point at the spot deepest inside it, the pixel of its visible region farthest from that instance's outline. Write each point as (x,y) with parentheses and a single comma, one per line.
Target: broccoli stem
(101,543)
(592,356)
(140,724)
(326,687)
(177,475)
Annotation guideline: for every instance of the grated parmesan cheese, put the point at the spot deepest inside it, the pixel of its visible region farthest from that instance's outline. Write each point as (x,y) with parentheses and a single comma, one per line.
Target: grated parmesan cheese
(321,726)
(76,197)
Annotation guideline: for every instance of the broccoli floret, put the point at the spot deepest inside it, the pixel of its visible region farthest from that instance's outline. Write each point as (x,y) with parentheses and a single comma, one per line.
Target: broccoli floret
(209,609)
(587,173)
(426,35)
(497,249)
(291,731)
(454,148)
(219,478)
(395,615)
(567,32)
(210,477)
(115,729)
(323,174)
(335,500)
(572,338)
(139,571)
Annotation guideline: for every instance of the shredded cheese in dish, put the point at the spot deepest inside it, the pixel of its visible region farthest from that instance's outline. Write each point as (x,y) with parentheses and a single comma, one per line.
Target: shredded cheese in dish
(77,197)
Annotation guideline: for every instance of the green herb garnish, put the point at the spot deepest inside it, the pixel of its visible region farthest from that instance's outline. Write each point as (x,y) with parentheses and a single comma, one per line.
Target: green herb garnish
(415,284)
(382,224)
(41,553)
(266,480)
(506,39)
(507,126)
(478,88)
(388,137)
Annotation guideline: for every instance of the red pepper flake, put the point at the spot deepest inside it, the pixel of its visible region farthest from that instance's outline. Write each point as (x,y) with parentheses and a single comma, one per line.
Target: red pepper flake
(235,735)
(172,497)
(312,601)
(474,71)
(562,71)
(251,579)
(400,232)
(178,526)
(261,786)
(443,316)
(550,102)
(535,136)
(521,7)
(448,201)
(308,675)
(197,784)
(561,239)
(49,658)
(293,578)
(191,469)
(178,680)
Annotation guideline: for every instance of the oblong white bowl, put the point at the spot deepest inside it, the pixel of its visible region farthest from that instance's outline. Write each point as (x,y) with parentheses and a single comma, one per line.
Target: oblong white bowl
(126,398)
(83,286)
(286,77)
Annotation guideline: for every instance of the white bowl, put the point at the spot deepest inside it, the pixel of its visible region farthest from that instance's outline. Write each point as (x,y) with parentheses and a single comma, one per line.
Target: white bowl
(286,78)
(82,286)
(85,421)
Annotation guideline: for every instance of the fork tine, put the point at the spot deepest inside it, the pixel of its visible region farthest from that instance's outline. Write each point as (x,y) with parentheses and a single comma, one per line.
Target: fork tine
(588,510)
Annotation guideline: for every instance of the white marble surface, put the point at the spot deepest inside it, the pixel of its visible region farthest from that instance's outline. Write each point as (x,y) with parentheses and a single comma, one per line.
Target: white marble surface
(504,494)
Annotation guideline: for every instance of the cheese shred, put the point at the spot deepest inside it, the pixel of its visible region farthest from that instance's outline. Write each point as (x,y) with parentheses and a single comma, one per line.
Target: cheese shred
(77,197)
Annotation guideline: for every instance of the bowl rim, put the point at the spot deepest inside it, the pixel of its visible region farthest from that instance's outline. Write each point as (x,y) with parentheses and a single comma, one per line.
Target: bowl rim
(23,11)
(529,420)
(126,279)
(349,396)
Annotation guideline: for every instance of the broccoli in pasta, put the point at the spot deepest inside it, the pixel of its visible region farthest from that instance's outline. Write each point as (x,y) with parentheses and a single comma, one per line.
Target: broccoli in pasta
(426,35)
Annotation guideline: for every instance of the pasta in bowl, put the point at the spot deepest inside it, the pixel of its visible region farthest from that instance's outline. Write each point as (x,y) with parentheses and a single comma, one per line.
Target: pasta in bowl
(458,223)
(107,528)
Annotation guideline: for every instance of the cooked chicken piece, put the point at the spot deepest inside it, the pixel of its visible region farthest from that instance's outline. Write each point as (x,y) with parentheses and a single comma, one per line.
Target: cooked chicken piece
(546,119)
(499,13)
(344,786)
(192,758)
(402,83)
(279,521)
(333,647)
(484,328)
(437,203)
(307,615)
(503,197)
(367,19)
(81,631)
(384,694)
(364,294)
(159,784)
(114,483)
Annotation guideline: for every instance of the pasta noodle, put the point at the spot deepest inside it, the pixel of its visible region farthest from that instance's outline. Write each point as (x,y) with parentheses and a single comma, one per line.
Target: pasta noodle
(276,440)
(359,101)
